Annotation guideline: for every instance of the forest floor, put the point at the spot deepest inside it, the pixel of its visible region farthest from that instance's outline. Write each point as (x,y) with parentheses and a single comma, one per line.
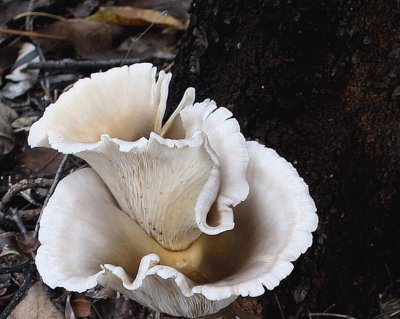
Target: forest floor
(65,44)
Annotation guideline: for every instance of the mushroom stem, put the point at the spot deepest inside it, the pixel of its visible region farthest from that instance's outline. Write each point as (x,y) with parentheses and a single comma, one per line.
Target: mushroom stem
(186,261)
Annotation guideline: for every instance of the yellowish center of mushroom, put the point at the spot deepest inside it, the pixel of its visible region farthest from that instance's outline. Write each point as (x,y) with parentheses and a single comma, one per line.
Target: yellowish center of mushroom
(187,261)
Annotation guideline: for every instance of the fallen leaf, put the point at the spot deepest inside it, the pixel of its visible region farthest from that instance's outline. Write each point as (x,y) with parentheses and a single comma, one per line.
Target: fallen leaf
(22,79)
(7,140)
(36,304)
(24,122)
(8,244)
(89,39)
(177,8)
(81,307)
(11,243)
(39,162)
(7,113)
(27,244)
(85,8)
(133,16)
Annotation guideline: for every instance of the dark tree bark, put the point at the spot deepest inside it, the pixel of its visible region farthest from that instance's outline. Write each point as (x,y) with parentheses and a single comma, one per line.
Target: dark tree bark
(318,82)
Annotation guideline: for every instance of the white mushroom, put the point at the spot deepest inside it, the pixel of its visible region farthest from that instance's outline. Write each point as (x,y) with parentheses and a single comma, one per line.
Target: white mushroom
(164,216)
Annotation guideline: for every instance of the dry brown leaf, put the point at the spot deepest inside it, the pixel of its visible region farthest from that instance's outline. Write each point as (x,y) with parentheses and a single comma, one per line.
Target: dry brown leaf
(24,121)
(81,307)
(12,243)
(89,39)
(177,8)
(7,140)
(7,113)
(21,79)
(132,16)
(27,244)
(36,304)
(39,161)
(8,244)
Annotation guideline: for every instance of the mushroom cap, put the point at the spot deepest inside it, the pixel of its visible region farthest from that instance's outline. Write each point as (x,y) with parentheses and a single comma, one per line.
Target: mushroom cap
(273,227)
(113,120)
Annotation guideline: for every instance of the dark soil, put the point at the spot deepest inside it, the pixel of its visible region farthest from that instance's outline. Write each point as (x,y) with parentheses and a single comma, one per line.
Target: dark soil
(319,81)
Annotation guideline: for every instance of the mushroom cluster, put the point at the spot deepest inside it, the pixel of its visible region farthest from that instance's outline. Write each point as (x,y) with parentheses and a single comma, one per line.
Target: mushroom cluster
(181,215)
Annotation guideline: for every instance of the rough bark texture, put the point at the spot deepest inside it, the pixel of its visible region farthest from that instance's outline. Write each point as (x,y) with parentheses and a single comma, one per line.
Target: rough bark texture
(319,82)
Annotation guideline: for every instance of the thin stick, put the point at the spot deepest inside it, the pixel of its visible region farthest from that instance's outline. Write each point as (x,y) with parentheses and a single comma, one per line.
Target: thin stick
(28,20)
(22,185)
(31,34)
(279,306)
(89,65)
(394,313)
(19,293)
(57,178)
(38,14)
(17,220)
(97,312)
(11,269)
(164,13)
(326,314)
(45,84)
(29,215)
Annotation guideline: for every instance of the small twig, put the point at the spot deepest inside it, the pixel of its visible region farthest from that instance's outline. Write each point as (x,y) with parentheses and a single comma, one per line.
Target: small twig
(14,218)
(37,14)
(28,20)
(45,84)
(134,40)
(88,65)
(11,269)
(22,185)
(19,293)
(32,34)
(326,314)
(329,308)
(389,274)
(25,194)
(29,215)
(97,312)
(17,220)
(57,178)
(279,306)
(168,67)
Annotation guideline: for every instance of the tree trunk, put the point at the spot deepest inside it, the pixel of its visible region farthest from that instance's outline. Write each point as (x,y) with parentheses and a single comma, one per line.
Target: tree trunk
(319,82)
